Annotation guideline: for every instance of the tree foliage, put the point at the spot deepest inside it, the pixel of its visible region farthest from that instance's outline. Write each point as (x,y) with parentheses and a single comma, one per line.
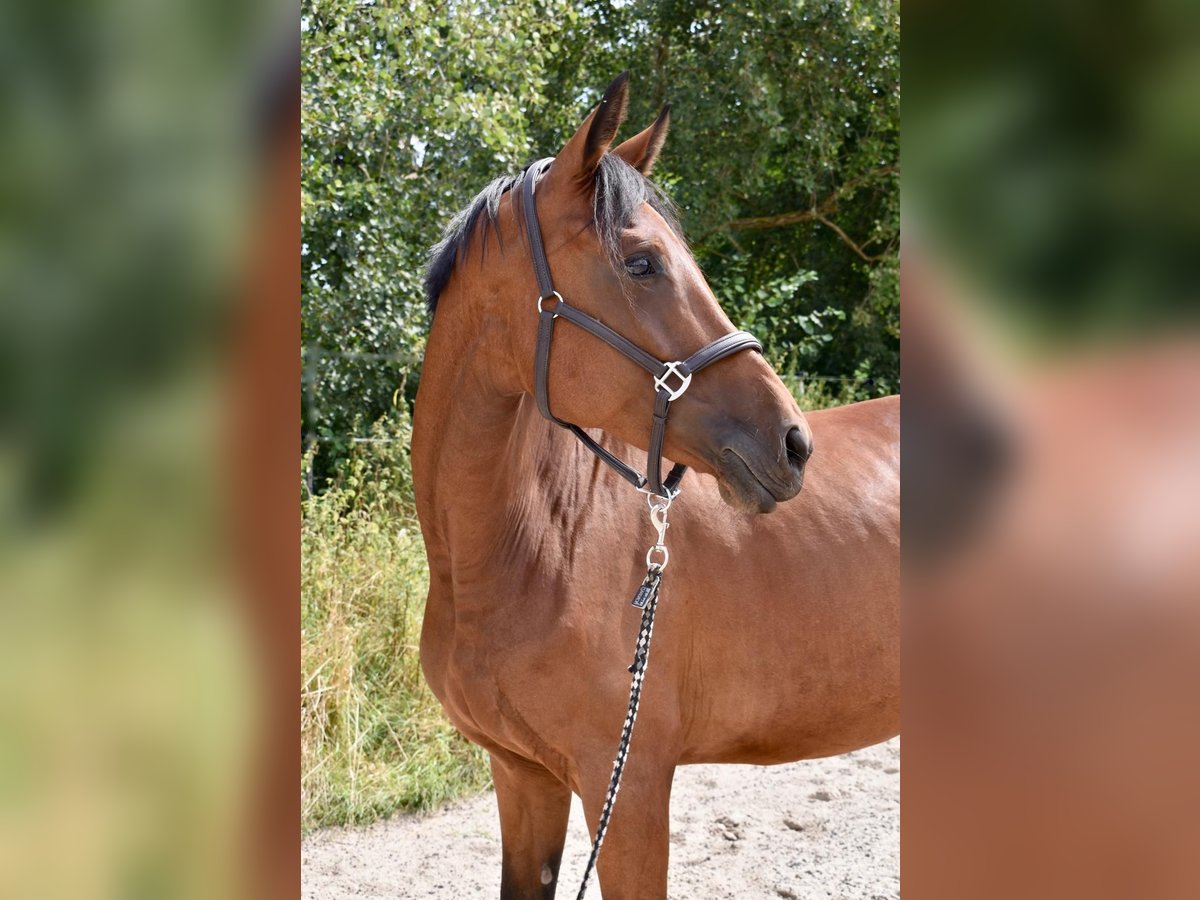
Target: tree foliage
(783,158)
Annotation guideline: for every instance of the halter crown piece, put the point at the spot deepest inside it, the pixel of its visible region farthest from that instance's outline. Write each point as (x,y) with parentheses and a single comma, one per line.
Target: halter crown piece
(671,379)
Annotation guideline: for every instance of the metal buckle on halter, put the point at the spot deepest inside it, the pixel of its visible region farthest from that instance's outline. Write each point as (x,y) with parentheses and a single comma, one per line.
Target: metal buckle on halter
(660,381)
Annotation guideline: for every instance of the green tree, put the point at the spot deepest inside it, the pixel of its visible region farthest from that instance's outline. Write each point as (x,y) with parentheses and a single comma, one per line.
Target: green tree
(407,112)
(783,158)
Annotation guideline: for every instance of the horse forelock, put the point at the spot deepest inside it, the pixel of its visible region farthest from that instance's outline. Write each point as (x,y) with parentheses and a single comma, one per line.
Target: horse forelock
(619,191)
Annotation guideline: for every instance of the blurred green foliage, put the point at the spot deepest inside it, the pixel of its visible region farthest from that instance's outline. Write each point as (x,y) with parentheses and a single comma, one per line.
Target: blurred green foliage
(124,167)
(783,157)
(1053,159)
(134,694)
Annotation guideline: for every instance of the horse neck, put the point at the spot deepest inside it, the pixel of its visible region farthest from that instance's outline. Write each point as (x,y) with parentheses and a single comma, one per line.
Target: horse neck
(500,490)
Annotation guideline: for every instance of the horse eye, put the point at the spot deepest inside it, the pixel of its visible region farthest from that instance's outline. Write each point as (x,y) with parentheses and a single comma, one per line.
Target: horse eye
(639,266)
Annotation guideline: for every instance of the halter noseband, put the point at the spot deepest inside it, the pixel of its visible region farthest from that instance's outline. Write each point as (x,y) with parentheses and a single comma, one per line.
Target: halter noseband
(671,379)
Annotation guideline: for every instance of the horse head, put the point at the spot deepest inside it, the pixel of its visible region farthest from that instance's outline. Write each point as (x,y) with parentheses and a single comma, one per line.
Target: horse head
(618,254)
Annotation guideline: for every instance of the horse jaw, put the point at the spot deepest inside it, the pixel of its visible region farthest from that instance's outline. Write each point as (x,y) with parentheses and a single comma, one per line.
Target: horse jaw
(740,488)
(740,501)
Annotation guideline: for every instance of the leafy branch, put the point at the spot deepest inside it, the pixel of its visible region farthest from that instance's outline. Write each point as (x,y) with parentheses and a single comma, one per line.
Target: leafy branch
(819,212)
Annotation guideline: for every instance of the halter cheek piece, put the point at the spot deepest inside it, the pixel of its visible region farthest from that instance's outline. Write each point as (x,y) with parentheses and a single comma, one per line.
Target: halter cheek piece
(671,379)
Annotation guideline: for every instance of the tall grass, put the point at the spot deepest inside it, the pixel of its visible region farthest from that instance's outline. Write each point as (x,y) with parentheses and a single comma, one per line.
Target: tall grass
(373,737)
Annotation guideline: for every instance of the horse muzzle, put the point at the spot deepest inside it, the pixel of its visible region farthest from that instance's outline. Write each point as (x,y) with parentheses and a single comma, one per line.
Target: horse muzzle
(756,475)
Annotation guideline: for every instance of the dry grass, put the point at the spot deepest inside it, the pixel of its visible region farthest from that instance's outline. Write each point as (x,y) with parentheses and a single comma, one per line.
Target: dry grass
(373,737)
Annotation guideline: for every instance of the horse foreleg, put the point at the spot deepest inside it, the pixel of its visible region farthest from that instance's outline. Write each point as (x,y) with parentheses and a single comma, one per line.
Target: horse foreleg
(633,859)
(534,806)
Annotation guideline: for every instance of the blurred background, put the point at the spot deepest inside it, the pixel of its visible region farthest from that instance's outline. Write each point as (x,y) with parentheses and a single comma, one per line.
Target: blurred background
(140,162)
(148,441)
(1051,434)
(151,480)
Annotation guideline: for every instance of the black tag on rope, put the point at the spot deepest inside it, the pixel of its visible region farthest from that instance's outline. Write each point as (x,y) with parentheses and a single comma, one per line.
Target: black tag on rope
(642,597)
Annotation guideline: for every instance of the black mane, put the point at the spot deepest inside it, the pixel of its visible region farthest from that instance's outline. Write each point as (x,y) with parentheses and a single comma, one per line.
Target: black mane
(619,190)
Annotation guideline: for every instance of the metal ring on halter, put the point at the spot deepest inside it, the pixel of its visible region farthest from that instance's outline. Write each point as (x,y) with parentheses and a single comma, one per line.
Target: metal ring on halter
(658,501)
(551,294)
(666,556)
(651,496)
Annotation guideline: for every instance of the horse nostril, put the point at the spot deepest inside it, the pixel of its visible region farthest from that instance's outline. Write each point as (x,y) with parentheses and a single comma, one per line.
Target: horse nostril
(799,445)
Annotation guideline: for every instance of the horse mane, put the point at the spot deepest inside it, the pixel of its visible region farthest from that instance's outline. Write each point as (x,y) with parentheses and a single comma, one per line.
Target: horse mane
(620,190)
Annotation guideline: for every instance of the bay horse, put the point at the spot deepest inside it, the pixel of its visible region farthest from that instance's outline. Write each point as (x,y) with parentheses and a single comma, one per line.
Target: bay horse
(778,637)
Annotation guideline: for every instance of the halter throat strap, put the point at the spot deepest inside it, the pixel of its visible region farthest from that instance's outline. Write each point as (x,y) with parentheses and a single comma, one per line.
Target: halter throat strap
(671,379)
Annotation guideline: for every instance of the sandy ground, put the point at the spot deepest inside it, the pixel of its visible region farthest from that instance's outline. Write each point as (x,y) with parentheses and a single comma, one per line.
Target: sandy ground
(825,829)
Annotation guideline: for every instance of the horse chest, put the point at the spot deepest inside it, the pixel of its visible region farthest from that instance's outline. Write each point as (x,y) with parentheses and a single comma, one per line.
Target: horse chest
(507,675)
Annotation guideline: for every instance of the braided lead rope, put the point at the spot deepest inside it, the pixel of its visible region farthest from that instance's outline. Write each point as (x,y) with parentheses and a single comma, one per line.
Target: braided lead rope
(648,595)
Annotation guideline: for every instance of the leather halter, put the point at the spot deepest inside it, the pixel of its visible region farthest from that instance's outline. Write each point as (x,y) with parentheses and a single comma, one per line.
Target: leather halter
(671,379)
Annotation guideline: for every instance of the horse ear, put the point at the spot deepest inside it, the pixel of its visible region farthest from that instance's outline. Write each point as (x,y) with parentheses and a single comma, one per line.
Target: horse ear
(581,156)
(641,150)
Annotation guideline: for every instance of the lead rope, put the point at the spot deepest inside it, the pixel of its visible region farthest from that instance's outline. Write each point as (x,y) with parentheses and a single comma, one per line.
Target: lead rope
(646,599)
